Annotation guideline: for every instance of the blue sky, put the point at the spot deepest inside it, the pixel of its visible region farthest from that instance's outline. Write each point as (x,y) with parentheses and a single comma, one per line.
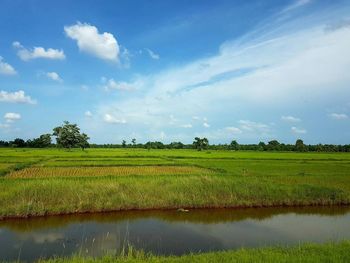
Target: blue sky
(172,70)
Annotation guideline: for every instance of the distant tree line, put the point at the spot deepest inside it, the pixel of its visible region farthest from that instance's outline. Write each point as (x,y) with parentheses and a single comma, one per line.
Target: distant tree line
(68,136)
(203,144)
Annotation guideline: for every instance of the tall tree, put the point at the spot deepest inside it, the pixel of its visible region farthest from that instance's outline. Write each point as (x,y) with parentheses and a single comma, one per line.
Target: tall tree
(68,136)
(133,141)
(234,145)
(261,146)
(45,140)
(300,146)
(200,144)
(273,145)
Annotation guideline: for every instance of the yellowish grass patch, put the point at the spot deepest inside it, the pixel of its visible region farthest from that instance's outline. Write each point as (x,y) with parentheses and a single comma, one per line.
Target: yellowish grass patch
(42,172)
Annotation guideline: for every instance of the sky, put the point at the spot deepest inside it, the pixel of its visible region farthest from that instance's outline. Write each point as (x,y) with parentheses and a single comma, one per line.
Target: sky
(173,70)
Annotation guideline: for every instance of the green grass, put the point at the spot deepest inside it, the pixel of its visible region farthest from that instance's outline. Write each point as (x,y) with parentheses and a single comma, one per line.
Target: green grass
(236,179)
(331,252)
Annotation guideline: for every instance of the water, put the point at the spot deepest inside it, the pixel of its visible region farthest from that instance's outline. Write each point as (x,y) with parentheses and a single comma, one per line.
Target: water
(170,232)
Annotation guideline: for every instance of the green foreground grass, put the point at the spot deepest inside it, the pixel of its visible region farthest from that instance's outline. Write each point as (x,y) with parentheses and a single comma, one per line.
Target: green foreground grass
(236,179)
(331,252)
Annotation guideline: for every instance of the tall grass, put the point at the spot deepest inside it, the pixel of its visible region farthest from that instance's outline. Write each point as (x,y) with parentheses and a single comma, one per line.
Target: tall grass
(40,196)
(331,252)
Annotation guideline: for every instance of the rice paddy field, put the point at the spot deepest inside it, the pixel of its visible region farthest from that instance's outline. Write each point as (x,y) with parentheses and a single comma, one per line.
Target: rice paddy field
(37,182)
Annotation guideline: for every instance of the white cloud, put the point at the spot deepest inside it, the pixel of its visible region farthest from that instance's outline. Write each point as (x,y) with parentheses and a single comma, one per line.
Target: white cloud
(111,84)
(296,4)
(88,114)
(54,76)
(16,97)
(338,116)
(152,54)
(6,69)
(234,130)
(206,125)
(186,126)
(290,119)
(16,44)
(38,52)
(111,119)
(252,126)
(11,116)
(298,130)
(89,40)
(296,67)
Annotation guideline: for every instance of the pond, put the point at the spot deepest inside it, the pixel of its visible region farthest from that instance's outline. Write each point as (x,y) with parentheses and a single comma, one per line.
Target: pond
(170,232)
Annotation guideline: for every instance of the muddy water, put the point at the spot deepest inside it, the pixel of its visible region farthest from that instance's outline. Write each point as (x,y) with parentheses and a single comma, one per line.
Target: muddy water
(170,232)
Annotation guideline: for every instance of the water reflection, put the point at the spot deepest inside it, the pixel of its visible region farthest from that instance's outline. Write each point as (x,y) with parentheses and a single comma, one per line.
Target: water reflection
(170,232)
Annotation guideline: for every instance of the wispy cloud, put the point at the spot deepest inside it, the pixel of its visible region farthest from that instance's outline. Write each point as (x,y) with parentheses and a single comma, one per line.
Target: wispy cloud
(206,125)
(338,116)
(234,130)
(251,126)
(111,119)
(188,125)
(54,76)
(6,69)
(111,84)
(296,4)
(290,119)
(285,64)
(88,114)
(298,130)
(152,54)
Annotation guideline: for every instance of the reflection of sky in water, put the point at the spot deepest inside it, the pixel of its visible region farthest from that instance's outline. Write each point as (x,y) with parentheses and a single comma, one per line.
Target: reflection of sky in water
(167,233)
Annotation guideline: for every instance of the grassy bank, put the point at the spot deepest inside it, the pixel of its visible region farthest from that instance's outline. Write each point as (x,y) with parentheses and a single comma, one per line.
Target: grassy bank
(331,252)
(51,181)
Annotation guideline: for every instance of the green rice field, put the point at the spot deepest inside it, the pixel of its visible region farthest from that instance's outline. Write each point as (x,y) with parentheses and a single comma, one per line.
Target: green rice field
(36,182)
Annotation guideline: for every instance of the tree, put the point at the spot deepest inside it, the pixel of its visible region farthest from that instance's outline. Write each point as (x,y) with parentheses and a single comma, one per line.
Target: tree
(68,136)
(154,145)
(123,143)
(83,141)
(18,142)
(133,141)
(261,146)
(42,142)
(176,145)
(273,145)
(234,145)
(200,144)
(300,146)
(4,144)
